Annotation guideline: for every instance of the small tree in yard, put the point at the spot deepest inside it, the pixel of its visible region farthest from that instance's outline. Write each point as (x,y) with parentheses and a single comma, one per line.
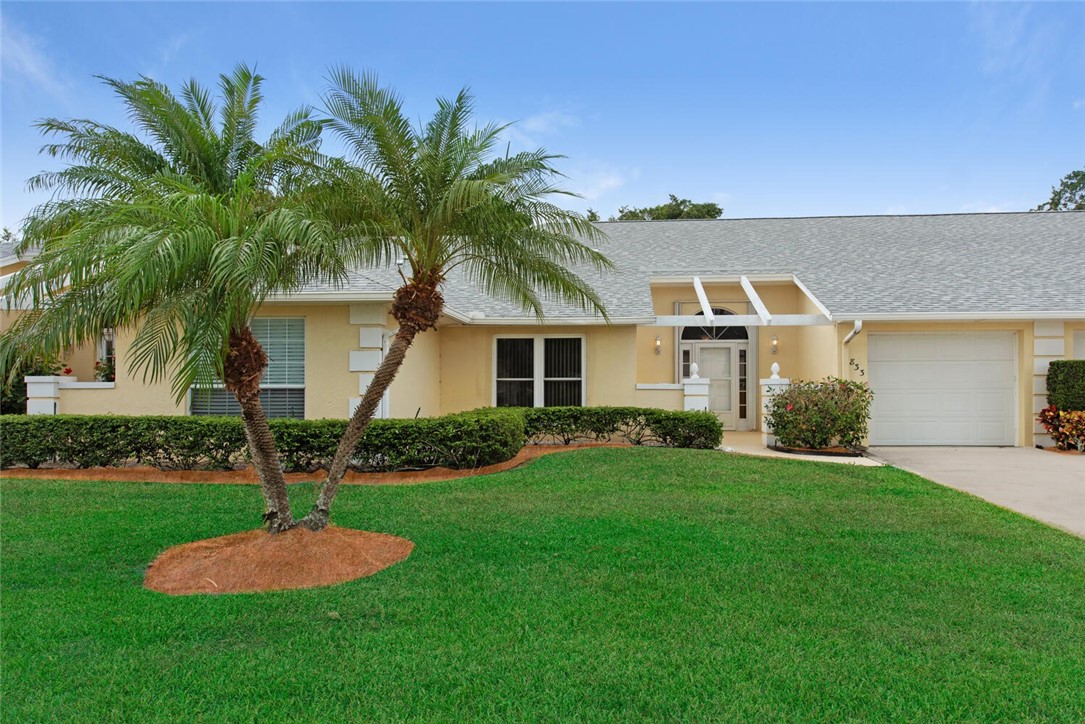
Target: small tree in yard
(179,231)
(437,198)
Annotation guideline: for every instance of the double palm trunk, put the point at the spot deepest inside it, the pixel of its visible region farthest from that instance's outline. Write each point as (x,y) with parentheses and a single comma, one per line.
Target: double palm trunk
(416,307)
(245,365)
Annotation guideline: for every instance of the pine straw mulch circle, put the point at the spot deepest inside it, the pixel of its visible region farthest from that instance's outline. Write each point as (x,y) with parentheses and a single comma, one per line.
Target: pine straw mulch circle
(258,561)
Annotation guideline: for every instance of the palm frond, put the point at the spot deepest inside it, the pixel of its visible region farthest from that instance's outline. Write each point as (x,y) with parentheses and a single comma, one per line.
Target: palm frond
(440,198)
(178,230)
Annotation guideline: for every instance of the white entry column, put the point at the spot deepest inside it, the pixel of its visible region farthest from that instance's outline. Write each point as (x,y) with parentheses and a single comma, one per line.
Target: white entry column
(771,387)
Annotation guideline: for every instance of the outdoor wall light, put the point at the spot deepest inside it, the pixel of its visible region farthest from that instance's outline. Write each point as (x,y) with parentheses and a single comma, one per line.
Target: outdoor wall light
(659,345)
(775,343)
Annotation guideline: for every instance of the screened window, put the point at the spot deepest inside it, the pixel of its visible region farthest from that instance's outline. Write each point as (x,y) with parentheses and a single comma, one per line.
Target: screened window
(539,372)
(282,391)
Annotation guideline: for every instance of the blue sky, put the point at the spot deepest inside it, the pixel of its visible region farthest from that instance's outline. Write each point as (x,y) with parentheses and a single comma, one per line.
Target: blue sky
(769,109)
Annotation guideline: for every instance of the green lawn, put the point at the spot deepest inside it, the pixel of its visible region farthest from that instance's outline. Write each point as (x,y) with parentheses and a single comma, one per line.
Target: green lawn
(599,584)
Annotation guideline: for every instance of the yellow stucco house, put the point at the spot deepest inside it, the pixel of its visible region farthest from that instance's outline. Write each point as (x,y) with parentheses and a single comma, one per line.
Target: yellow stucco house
(952,319)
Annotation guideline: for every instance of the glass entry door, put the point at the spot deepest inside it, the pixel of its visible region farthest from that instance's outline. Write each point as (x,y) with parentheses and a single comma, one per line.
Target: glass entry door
(724,365)
(719,364)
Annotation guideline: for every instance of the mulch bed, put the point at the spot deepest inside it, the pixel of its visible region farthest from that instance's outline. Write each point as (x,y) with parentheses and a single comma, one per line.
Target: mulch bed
(836,452)
(248,475)
(1063,452)
(258,561)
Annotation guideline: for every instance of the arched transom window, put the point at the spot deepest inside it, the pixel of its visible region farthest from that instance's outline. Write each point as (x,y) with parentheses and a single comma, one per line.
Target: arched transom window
(720,331)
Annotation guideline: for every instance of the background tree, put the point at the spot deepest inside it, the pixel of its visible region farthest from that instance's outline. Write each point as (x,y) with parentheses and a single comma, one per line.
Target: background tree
(1069,195)
(179,233)
(592,215)
(436,198)
(675,208)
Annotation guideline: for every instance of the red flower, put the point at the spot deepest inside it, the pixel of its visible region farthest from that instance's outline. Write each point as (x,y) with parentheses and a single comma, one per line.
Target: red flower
(67,370)
(789,406)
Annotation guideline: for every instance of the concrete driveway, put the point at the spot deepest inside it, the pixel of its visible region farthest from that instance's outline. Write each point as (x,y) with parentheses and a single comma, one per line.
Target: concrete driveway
(1042,485)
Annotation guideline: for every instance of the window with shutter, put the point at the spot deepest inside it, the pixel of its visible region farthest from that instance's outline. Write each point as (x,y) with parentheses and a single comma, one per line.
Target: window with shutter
(538,371)
(282,391)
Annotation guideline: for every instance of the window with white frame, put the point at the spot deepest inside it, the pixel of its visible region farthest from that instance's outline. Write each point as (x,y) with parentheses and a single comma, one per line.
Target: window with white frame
(538,371)
(282,391)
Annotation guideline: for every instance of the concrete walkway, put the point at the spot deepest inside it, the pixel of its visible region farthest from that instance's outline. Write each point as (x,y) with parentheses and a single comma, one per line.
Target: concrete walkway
(1042,485)
(749,443)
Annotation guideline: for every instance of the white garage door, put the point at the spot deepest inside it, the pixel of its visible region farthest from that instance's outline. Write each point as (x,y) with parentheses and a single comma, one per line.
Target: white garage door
(943,389)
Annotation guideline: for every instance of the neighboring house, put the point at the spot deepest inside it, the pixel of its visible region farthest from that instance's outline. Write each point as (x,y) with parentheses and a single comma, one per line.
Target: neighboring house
(951,318)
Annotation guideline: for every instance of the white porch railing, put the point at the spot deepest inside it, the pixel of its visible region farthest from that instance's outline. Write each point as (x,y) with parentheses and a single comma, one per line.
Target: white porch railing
(695,391)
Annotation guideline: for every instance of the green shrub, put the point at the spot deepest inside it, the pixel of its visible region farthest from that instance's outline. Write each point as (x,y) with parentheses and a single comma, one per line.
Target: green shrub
(701,430)
(26,440)
(818,415)
(72,439)
(459,441)
(465,440)
(307,445)
(188,443)
(1066,384)
(634,425)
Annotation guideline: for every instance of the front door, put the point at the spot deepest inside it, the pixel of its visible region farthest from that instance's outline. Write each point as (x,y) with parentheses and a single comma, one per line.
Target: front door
(717,363)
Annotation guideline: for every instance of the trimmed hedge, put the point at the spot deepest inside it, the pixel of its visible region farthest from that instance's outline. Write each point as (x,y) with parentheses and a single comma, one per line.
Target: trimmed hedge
(464,440)
(634,425)
(218,443)
(1066,384)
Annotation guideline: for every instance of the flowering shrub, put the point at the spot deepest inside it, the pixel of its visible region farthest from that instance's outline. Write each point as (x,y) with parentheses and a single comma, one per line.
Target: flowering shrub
(1073,426)
(819,415)
(1066,427)
(105,370)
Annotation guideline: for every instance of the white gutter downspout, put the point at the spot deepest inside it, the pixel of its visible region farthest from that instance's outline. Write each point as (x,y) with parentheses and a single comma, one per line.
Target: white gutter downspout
(855,330)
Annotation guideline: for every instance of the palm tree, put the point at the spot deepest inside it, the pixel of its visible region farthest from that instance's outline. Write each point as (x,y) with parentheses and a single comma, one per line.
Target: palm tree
(179,231)
(436,198)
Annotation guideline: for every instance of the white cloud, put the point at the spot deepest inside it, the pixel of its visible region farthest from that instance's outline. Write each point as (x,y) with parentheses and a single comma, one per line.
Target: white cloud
(595,182)
(548,122)
(1003,34)
(527,132)
(592,186)
(1016,48)
(167,53)
(22,59)
(172,47)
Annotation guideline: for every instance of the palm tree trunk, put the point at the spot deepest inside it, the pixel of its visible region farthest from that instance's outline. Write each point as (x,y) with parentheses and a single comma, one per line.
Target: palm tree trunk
(245,365)
(265,458)
(417,307)
(318,517)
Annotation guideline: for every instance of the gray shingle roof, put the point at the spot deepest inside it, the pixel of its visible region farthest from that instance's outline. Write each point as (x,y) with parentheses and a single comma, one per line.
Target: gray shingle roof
(858,265)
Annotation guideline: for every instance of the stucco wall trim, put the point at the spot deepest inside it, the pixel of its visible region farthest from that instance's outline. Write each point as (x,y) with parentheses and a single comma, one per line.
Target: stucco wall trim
(959,316)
